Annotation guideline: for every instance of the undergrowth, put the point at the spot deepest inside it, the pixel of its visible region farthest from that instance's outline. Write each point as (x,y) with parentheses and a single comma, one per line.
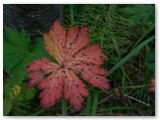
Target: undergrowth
(126,34)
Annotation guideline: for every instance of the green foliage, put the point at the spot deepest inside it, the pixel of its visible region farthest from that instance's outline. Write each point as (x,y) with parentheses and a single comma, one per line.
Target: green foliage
(151,60)
(17,55)
(88,106)
(142,14)
(18,39)
(114,28)
(27,94)
(39,50)
(133,52)
(131,62)
(16,46)
(15,93)
(95,103)
(7,106)
(109,26)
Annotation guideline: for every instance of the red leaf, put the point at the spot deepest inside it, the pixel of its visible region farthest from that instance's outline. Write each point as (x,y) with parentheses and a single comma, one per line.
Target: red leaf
(39,69)
(74,89)
(52,91)
(77,38)
(74,57)
(93,75)
(55,41)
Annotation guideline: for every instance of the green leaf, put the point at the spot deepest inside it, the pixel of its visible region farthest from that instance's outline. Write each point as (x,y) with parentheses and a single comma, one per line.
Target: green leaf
(12,55)
(7,106)
(17,56)
(18,39)
(141,13)
(27,94)
(39,51)
(16,45)
(17,53)
(6,86)
(19,72)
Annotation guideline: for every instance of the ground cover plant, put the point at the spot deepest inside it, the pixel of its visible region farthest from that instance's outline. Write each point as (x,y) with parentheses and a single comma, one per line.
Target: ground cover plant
(109,54)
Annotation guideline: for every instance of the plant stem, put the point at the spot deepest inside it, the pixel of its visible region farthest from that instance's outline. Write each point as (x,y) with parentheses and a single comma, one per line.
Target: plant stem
(64,107)
(71,14)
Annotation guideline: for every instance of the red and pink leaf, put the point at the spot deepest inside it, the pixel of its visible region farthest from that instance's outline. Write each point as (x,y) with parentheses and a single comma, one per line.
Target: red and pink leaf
(90,54)
(52,90)
(93,74)
(75,58)
(55,41)
(74,89)
(77,38)
(39,69)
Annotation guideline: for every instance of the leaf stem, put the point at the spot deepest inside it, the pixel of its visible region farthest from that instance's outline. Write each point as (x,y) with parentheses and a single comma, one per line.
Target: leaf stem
(64,107)
(72,14)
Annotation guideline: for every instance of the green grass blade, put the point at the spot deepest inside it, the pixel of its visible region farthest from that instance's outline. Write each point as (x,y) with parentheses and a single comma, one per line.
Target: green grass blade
(88,107)
(144,35)
(132,53)
(38,112)
(95,103)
